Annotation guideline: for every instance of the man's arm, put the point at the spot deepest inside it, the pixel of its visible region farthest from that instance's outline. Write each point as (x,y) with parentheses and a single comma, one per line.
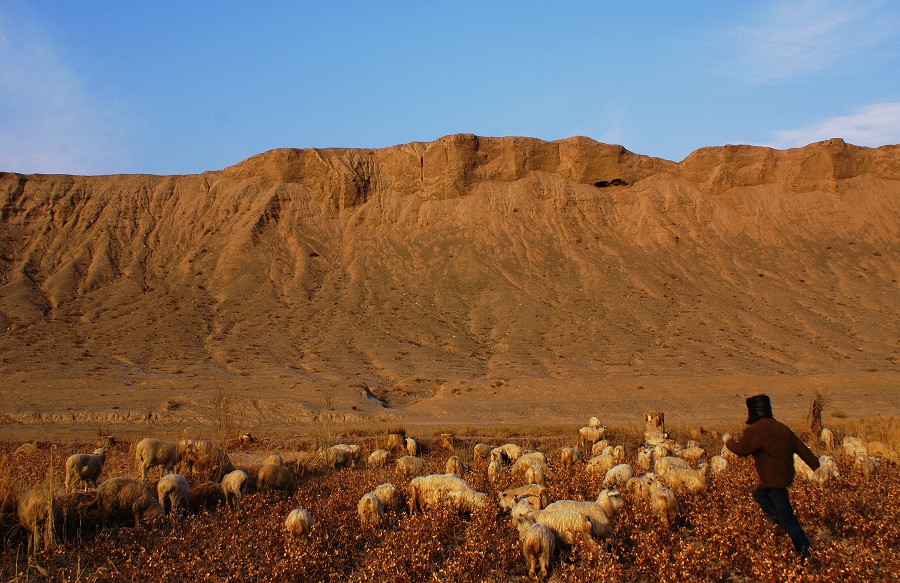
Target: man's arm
(805,454)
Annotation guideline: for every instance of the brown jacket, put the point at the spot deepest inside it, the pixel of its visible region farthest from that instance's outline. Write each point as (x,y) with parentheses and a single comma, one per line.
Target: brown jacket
(772,445)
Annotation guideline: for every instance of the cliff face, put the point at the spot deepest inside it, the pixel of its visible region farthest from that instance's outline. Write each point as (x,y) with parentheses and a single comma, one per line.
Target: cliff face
(465,260)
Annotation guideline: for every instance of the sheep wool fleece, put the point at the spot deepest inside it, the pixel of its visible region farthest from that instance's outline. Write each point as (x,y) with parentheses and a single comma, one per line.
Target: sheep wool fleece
(772,445)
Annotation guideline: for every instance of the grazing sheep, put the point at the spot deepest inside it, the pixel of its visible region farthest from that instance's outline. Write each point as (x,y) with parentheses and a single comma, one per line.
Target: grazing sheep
(388,494)
(446,441)
(537,474)
(600,511)
(275,458)
(151,452)
(528,460)
(588,436)
(879,449)
(172,490)
(411,466)
(640,486)
(202,458)
(499,455)
(354,453)
(335,456)
(234,488)
(427,491)
(535,494)
(600,464)
(618,476)
(687,480)
(298,523)
(482,451)
(827,469)
(594,423)
(276,477)
(568,456)
(663,504)
(853,446)
(245,439)
(645,459)
(600,447)
(513,451)
(205,497)
(865,464)
(396,439)
(691,454)
(118,496)
(827,439)
(718,464)
(455,466)
(84,467)
(538,544)
(568,526)
(36,511)
(370,509)
(412,447)
(494,470)
(378,458)
(662,465)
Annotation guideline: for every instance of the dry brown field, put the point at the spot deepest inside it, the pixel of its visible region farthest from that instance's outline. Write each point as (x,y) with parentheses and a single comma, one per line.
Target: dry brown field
(853,521)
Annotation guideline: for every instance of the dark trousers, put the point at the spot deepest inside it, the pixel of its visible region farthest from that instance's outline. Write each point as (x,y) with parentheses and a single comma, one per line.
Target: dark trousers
(777,506)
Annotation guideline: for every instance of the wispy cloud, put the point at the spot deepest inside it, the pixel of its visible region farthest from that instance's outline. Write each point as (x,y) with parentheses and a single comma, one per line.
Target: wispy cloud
(874,125)
(796,37)
(49,123)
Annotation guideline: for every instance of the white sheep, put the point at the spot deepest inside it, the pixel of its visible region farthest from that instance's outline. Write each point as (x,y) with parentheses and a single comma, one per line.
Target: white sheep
(600,464)
(388,494)
(482,451)
(455,466)
(662,465)
(535,494)
(537,474)
(588,436)
(299,523)
(645,459)
(494,471)
(499,455)
(234,487)
(150,452)
(276,477)
(428,491)
(683,480)
(600,512)
(528,460)
(663,504)
(569,456)
(126,495)
(173,491)
(599,447)
(865,464)
(412,447)
(640,486)
(691,454)
(827,438)
(568,526)
(36,510)
(880,449)
(201,457)
(827,469)
(618,476)
(334,456)
(378,458)
(594,423)
(370,509)
(718,464)
(354,452)
(538,544)
(411,466)
(853,446)
(513,451)
(84,467)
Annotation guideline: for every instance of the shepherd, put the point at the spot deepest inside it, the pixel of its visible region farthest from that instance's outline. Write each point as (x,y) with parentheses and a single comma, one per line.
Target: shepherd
(773,445)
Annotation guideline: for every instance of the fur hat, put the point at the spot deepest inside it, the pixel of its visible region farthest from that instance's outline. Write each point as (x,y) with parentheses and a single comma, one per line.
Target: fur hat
(758,406)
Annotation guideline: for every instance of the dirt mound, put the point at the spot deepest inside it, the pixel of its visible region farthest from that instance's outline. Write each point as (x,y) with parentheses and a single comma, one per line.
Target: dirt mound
(428,279)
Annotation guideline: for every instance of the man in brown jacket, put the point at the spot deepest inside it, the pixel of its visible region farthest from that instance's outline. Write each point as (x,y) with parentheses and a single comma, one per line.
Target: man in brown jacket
(773,445)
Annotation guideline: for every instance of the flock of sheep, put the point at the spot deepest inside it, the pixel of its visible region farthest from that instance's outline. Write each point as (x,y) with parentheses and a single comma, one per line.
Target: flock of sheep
(663,471)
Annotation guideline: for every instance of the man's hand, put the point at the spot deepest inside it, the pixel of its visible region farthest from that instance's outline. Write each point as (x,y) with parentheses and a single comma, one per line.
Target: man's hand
(725,437)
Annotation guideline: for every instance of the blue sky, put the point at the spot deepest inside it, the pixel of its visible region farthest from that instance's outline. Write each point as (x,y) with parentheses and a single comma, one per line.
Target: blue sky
(94,87)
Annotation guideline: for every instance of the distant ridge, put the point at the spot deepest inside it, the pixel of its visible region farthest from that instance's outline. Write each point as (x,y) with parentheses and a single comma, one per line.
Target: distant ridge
(370,282)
